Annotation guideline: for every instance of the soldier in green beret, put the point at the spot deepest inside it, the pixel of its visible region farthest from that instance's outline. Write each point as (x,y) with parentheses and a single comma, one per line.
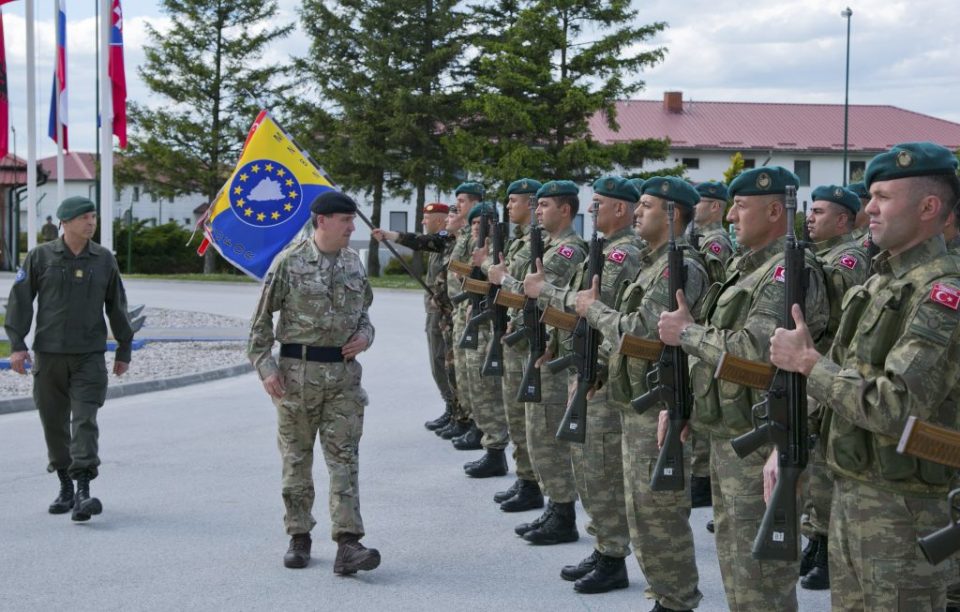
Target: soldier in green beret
(740,320)
(895,355)
(74,281)
(715,245)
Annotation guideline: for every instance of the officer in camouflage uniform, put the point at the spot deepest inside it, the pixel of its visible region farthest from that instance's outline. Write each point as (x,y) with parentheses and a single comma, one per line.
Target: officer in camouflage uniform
(896,354)
(741,317)
(74,281)
(437,242)
(598,462)
(659,520)
(320,288)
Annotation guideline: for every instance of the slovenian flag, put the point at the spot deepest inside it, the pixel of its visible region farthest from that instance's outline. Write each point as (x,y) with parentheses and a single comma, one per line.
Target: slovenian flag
(117,76)
(58,103)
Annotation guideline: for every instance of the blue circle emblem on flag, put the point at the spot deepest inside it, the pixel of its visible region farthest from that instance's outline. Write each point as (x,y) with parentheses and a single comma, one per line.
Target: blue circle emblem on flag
(264,193)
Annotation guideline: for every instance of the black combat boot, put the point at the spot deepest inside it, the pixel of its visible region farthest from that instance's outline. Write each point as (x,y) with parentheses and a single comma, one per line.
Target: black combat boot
(528,497)
(493,463)
(64,501)
(454,429)
(524,528)
(352,556)
(700,494)
(469,440)
(440,421)
(559,528)
(818,578)
(809,554)
(502,496)
(298,553)
(658,607)
(578,571)
(610,573)
(84,506)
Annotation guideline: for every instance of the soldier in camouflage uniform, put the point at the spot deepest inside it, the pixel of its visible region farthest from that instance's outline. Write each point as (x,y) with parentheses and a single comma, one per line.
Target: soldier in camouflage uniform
(659,520)
(895,355)
(437,242)
(598,462)
(741,317)
(861,229)
(320,288)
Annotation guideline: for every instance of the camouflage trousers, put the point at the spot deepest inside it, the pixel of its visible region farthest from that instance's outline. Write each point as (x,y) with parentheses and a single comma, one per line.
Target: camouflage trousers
(460,366)
(486,396)
(875,563)
(513,361)
(659,520)
(324,399)
(550,457)
(437,348)
(738,507)
(817,496)
(699,445)
(598,472)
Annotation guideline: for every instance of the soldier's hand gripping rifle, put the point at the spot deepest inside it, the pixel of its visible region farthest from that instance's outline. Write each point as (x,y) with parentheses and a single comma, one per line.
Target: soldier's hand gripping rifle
(781,419)
(532,329)
(493,362)
(586,342)
(470,337)
(668,383)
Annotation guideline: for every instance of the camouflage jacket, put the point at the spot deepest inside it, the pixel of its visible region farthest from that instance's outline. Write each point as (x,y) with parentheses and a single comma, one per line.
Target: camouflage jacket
(716,249)
(438,245)
(846,264)
(462,251)
(320,303)
(516,257)
(896,354)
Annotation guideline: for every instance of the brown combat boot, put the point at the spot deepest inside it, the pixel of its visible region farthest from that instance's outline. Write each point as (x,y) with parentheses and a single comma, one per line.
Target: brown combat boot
(352,556)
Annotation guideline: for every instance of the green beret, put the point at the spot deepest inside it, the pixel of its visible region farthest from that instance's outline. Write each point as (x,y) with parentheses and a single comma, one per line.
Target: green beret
(911,159)
(552,189)
(638,183)
(469,188)
(331,201)
(766,180)
(524,186)
(860,189)
(672,188)
(616,187)
(480,208)
(74,206)
(712,190)
(838,195)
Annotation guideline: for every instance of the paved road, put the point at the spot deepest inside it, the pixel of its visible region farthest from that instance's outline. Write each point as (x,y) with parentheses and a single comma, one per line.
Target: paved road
(190,484)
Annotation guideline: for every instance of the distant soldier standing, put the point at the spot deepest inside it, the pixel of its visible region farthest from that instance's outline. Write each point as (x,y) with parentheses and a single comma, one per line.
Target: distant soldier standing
(49,231)
(320,288)
(74,281)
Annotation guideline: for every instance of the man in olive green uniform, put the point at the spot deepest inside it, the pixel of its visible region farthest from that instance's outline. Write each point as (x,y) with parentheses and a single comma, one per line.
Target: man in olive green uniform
(740,321)
(564,252)
(437,242)
(896,355)
(598,462)
(320,289)
(74,281)
(659,520)
(49,231)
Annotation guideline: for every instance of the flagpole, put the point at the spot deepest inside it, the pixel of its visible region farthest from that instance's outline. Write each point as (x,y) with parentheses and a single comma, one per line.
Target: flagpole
(106,129)
(31,133)
(56,87)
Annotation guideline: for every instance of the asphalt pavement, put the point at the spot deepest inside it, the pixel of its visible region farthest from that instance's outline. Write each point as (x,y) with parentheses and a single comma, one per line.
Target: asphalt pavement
(190,484)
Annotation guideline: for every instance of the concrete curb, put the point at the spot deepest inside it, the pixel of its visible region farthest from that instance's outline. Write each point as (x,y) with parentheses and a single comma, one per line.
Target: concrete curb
(23,404)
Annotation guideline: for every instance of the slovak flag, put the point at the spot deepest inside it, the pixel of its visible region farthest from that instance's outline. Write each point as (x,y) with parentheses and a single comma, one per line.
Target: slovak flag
(58,103)
(118,79)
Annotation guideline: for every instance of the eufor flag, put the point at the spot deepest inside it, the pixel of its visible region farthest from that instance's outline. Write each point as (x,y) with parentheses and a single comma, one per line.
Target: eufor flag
(117,77)
(58,103)
(266,201)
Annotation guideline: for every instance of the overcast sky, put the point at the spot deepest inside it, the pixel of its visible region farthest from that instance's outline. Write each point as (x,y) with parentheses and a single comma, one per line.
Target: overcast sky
(902,53)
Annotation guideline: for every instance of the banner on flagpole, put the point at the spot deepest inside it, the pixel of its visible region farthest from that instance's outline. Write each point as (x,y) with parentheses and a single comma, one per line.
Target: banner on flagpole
(58,97)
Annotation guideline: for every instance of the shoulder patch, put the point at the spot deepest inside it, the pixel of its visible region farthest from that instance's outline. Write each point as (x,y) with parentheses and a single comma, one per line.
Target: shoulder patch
(442,233)
(666,273)
(779,274)
(866,243)
(617,256)
(566,251)
(848,261)
(21,274)
(946,295)
(716,248)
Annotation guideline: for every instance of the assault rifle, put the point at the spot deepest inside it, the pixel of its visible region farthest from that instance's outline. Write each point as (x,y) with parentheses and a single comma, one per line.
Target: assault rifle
(586,342)
(493,362)
(470,337)
(781,419)
(668,383)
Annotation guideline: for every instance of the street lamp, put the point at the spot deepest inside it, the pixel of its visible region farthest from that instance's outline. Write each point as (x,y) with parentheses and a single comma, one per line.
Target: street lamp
(846,94)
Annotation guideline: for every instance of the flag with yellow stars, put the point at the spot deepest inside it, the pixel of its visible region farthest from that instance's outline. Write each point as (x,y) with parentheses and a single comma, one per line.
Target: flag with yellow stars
(266,201)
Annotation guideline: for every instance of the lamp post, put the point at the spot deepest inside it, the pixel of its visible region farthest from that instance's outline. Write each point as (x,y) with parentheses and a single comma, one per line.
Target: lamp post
(846,95)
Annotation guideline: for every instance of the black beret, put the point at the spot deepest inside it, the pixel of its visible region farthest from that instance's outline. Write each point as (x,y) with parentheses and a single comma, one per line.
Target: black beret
(73,207)
(330,202)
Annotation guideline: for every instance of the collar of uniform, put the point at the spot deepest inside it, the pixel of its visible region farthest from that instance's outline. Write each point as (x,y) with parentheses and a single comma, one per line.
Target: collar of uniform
(60,246)
(521,231)
(652,255)
(710,227)
(316,254)
(899,265)
(565,233)
(829,243)
(619,235)
(752,260)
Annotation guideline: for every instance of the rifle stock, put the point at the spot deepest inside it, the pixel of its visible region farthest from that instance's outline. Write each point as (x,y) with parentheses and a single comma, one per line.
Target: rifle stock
(534,330)
(462,268)
(640,348)
(930,442)
(745,372)
(509,299)
(476,286)
(567,321)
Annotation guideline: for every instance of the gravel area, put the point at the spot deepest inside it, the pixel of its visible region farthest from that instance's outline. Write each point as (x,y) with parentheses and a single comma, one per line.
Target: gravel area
(165,318)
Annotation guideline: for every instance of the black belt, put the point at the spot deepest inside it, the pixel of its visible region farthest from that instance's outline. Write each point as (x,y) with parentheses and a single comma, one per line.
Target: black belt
(323,354)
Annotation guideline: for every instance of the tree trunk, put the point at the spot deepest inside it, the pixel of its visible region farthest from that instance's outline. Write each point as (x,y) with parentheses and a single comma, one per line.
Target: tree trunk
(418,266)
(373,255)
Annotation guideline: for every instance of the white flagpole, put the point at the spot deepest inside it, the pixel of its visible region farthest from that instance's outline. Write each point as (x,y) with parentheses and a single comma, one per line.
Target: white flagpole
(106,128)
(31,130)
(60,114)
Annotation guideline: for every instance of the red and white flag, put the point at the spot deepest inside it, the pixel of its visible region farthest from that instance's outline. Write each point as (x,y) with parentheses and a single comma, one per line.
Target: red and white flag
(58,98)
(118,78)
(4,101)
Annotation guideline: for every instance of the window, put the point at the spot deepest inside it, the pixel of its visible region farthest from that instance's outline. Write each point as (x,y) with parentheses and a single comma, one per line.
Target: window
(749,163)
(186,222)
(170,199)
(136,193)
(692,163)
(857,170)
(578,224)
(801,167)
(398,221)
(116,194)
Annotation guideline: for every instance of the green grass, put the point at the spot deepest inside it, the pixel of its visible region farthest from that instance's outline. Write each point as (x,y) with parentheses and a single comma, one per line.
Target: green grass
(4,345)
(391,281)
(395,281)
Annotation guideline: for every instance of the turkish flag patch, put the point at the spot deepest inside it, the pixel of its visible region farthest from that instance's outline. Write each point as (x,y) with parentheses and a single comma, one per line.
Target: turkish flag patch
(666,273)
(946,295)
(617,256)
(866,243)
(716,248)
(780,275)
(565,251)
(848,261)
